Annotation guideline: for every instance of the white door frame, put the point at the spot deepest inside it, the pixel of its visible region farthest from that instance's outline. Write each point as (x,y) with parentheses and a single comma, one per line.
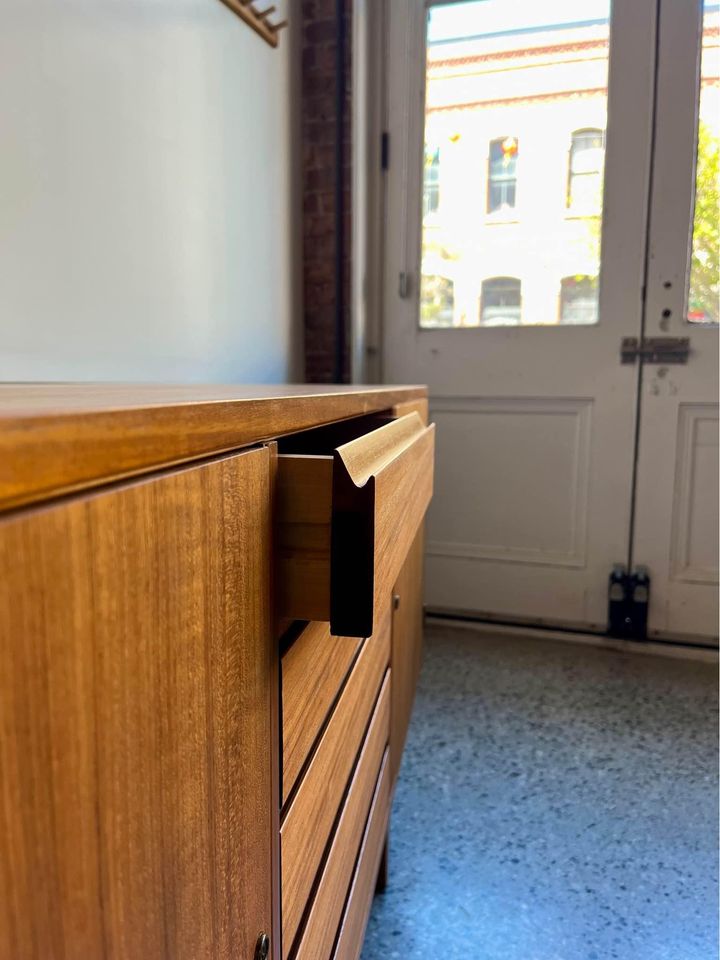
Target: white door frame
(675,402)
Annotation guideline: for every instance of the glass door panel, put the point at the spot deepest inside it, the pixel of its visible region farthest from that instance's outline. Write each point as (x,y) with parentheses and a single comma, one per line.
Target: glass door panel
(515,118)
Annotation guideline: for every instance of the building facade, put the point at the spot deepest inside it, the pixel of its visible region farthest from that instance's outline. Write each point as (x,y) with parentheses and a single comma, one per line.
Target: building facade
(514,172)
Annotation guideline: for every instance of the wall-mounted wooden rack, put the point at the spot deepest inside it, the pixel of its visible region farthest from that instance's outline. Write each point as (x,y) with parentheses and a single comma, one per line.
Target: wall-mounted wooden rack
(259,20)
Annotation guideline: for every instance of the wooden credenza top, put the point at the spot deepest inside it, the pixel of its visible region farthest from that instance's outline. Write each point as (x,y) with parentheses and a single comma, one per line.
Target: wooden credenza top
(57,438)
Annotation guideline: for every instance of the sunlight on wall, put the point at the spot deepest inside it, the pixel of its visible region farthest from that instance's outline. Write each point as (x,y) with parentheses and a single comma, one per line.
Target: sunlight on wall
(144,193)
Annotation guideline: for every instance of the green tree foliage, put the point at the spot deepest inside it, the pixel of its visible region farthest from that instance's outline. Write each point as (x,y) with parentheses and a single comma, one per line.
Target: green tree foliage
(705,264)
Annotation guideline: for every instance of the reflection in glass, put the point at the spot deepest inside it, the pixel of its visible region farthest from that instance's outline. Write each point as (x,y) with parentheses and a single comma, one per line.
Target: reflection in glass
(515,120)
(587,161)
(704,287)
(431,182)
(501,302)
(436,301)
(579,300)
(502,174)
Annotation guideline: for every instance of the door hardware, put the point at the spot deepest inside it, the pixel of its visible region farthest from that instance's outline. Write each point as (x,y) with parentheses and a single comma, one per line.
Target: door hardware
(384,150)
(628,598)
(404,286)
(655,349)
(262,947)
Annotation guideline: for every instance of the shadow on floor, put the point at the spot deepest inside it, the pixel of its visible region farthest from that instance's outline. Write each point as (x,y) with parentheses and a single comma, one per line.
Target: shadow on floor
(556,802)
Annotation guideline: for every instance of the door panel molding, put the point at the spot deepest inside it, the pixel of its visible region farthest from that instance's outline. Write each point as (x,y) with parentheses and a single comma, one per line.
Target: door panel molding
(560,480)
(695,453)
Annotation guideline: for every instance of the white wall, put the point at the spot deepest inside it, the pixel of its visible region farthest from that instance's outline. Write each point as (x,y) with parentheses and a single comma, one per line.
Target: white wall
(145,198)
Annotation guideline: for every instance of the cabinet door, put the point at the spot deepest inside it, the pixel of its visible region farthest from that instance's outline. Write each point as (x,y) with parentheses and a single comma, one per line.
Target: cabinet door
(136,699)
(407,628)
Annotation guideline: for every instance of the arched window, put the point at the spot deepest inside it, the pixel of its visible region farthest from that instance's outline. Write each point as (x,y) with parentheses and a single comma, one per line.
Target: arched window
(501,302)
(579,300)
(502,174)
(586,166)
(431,181)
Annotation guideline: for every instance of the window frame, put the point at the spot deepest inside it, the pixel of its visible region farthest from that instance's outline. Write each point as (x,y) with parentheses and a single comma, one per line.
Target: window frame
(564,285)
(571,175)
(499,211)
(483,297)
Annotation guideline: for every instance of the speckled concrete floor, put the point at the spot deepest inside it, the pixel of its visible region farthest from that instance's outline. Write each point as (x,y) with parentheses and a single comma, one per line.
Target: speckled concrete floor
(556,802)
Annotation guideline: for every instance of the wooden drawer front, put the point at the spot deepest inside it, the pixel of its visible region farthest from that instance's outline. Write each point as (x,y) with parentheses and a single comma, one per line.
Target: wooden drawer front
(407,629)
(324,917)
(347,518)
(308,822)
(357,910)
(313,671)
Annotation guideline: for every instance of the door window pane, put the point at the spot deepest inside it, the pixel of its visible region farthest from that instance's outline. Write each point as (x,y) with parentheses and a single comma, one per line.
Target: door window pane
(515,120)
(704,288)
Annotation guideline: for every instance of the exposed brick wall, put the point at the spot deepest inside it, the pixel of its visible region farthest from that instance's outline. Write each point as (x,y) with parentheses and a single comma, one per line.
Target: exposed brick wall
(320,32)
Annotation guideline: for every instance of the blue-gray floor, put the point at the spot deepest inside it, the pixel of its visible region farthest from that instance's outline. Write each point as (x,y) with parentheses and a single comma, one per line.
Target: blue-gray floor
(556,802)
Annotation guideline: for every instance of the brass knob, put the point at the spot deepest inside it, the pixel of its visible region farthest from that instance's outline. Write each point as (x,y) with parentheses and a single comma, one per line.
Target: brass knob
(262,947)
(396,601)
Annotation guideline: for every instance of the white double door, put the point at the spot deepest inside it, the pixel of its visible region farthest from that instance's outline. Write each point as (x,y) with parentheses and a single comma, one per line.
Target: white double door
(539,209)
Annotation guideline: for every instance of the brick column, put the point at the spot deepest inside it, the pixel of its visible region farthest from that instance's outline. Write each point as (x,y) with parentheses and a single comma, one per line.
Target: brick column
(326,298)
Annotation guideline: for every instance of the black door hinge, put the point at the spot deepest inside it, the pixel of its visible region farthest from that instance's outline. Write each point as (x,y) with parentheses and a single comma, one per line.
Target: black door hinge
(628,598)
(384,150)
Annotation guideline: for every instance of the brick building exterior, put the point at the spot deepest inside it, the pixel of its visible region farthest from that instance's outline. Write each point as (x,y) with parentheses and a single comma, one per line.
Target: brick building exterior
(327,223)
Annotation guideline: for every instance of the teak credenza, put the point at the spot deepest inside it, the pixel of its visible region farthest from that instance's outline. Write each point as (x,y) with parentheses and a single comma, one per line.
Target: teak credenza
(210,625)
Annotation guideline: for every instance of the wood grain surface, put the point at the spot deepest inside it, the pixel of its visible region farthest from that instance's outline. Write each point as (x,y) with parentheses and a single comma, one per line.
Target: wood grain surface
(346,524)
(323,919)
(304,526)
(357,910)
(56,438)
(418,405)
(308,822)
(383,483)
(407,629)
(313,672)
(135,720)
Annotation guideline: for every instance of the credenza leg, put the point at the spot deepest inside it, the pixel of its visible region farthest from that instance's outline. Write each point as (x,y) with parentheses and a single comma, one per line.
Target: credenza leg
(382,877)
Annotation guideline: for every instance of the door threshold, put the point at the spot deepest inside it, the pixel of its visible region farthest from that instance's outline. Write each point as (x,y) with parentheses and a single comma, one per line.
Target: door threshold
(658,648)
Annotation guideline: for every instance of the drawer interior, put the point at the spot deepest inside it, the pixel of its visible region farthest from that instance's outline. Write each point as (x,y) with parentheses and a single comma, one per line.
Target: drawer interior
(348,512)
(324,441)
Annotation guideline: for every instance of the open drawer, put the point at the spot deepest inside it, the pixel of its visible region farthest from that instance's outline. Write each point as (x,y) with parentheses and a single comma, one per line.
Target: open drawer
(350,500)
